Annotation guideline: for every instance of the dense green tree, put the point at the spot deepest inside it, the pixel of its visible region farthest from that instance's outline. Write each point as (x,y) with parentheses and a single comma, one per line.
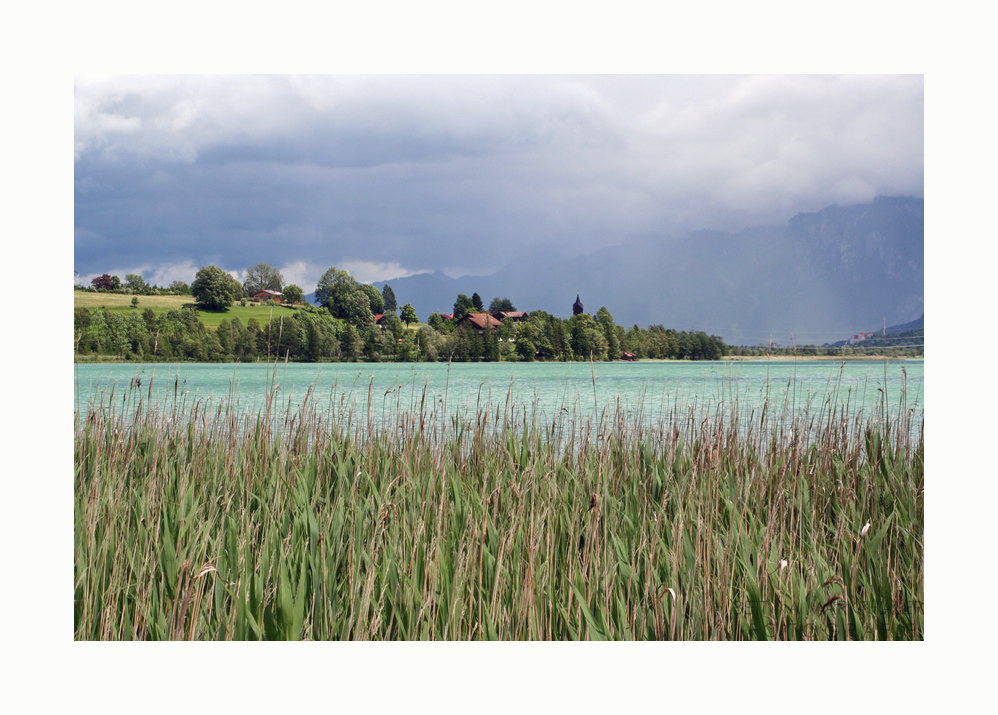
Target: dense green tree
(344,297)
(490,344)
(606,324)
(476,300)
(180,288)
(243,342)
(350,343)
(81,319)
(378,344)
(588,341)
(213,289)
(224,333)
(356,309)
(409,314)
(293,294)
(525,349)
(262,277)
(408,350)
(334,285)
(237,289)
(377,303)
(440,323)
(388,296)
(149,316)
(465,344)
(501,304)
(390,323)
(430,344)
(136,282)
(462,306)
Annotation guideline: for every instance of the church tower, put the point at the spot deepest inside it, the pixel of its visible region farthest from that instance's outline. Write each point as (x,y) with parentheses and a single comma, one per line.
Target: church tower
(577,306)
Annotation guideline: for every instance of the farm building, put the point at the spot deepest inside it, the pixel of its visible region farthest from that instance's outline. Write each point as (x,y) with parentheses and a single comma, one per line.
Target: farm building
(479,321)
(516,316)
(263,295)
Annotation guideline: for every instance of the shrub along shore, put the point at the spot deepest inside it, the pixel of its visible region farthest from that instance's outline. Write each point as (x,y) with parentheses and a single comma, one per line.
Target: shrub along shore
(200,522)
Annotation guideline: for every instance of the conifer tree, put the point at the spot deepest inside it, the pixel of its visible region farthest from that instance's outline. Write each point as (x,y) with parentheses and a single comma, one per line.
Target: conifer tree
(389,297)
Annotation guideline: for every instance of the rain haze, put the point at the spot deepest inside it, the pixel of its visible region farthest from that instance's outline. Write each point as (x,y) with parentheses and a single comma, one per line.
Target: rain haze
(393,176)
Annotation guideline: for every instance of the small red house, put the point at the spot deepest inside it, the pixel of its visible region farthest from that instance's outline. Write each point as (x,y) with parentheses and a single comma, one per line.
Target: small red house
(628,357)
(263,295)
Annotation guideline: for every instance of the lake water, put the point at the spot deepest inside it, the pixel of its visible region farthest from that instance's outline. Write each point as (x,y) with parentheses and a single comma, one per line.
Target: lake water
(657,391)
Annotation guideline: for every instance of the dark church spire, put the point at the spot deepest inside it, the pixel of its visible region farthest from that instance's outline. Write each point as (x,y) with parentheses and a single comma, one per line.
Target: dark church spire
(577,307)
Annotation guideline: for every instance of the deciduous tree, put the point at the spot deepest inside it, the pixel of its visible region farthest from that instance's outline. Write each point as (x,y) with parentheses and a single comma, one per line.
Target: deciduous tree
(212,289)
(102,282)
(501,304)
(136,282)
(409,315)
(263,277)
(334,286)
(462,306)
(374,298)
(293,294)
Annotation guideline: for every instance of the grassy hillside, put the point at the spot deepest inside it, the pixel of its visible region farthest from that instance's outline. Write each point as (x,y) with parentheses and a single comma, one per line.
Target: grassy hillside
(163,303)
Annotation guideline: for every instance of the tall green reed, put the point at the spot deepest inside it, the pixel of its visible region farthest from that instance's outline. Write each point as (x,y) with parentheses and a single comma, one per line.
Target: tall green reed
(198,520)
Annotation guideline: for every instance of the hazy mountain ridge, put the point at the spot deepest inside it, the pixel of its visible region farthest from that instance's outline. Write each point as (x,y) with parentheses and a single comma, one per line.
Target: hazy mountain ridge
(917,324)
(823,276)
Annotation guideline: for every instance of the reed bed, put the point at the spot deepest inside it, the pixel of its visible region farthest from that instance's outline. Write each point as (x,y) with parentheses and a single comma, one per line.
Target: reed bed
(196,521)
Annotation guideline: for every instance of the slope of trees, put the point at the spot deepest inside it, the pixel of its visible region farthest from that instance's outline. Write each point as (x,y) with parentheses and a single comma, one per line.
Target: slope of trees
(342,328)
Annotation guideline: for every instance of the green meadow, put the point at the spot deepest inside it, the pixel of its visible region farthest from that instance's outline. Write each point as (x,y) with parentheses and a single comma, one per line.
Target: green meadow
(160,304)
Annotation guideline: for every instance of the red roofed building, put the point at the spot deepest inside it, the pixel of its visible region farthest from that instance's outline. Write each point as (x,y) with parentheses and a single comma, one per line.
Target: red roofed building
(268,294)
(479,321)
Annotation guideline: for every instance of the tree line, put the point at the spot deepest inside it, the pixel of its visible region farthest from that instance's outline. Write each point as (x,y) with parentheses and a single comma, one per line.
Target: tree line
(212,289)
(343,328)
(315,335)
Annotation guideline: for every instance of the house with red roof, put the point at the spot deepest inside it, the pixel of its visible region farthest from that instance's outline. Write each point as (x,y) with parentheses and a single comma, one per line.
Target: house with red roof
(480,321)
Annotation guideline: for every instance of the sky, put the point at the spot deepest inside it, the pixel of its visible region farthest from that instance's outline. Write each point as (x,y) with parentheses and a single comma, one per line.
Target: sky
(391,175)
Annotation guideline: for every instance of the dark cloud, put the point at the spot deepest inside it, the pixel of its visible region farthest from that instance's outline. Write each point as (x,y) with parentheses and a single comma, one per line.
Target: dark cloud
(397,175)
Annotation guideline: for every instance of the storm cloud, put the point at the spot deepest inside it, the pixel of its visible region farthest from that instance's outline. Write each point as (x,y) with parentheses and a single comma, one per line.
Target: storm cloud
(388,176)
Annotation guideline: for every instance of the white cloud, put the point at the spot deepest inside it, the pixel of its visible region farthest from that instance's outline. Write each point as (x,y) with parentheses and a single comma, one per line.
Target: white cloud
(161,275)
(302,274)
(371,271)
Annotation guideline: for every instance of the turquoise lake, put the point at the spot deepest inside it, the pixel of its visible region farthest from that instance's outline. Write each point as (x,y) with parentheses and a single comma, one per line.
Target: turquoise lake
(535,391)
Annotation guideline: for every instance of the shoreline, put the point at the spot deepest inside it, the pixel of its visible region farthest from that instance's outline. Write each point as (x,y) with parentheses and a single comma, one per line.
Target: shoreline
(816,358)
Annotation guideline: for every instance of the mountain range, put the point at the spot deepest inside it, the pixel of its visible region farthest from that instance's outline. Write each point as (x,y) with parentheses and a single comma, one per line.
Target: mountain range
(821,277)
